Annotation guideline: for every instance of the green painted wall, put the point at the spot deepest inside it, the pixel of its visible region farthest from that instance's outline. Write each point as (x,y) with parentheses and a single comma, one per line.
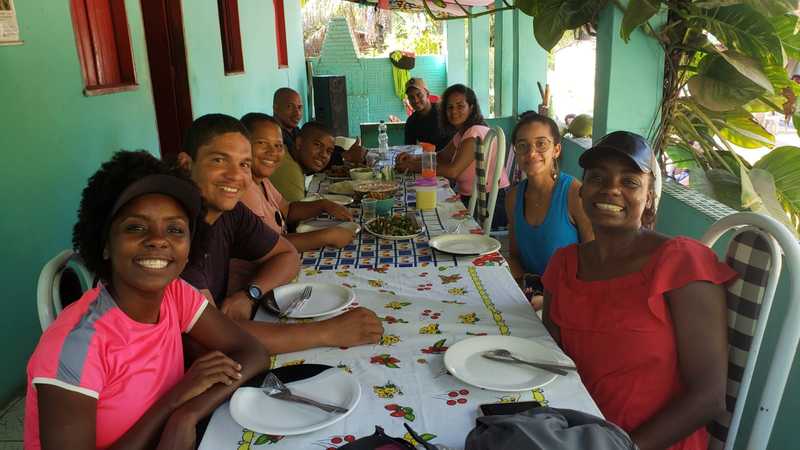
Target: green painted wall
(456,52)
(212,90)
(628,77)
(478,69)
(503,59)
(675,218)
(530,65)
(54,138)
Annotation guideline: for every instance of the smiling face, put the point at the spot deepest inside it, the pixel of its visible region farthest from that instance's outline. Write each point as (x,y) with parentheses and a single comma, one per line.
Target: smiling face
(148,244)
(458,109)
(268,150)
(288,109)
(314,150)
(615,193)
(418,99)
(531,138)
(222,171)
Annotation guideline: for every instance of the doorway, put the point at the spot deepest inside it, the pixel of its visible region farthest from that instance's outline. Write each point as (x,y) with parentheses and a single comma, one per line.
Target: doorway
(166,53)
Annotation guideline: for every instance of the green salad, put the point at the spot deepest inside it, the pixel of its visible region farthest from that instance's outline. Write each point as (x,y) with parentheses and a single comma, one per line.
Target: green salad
(394,226)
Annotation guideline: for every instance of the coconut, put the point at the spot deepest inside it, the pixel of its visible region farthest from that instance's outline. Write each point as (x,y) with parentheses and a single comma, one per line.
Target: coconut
(581,126)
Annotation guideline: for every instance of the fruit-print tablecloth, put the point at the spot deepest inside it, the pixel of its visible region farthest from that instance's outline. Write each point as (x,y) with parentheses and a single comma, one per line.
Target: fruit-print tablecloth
(367,251)
(403,378)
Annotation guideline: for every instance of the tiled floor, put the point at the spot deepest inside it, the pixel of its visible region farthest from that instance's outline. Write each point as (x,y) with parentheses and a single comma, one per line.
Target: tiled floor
(11,425)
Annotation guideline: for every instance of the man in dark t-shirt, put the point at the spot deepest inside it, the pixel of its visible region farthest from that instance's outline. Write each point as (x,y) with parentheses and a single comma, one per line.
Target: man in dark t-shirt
(218,156)
(423,125)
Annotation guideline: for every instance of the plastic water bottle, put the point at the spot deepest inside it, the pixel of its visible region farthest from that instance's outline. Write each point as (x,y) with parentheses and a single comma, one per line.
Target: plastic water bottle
(383,140)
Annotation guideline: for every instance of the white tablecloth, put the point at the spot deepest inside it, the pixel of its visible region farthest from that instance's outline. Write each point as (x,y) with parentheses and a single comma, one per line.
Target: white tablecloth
(424,311)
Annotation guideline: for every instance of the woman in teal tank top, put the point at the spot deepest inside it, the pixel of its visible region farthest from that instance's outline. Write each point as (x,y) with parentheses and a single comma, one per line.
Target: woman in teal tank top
(544,211)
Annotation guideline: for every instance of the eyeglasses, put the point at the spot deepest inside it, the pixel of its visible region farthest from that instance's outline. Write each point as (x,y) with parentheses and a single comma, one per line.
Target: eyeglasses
(540,145)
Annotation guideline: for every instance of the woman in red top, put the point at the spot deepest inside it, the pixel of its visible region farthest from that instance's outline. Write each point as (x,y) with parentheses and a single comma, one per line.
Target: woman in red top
(642,314)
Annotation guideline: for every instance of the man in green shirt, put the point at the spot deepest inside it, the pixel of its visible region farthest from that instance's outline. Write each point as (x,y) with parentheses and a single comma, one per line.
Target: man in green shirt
(310,154)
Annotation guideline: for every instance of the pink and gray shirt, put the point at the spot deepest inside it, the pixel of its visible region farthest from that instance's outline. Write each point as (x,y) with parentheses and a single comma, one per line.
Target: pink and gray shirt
(93,348)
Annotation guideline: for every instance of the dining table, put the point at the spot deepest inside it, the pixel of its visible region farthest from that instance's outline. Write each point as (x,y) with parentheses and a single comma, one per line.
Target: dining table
(427,301)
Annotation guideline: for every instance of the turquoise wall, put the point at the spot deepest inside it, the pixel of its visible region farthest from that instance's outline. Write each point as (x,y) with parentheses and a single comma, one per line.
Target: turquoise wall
(54,138)
(212,90)
(370,83)
(676,217)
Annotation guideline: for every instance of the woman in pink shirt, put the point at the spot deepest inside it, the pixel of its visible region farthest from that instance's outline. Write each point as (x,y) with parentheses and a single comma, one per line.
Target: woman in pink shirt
(460,113)
(109,371)
(266,202)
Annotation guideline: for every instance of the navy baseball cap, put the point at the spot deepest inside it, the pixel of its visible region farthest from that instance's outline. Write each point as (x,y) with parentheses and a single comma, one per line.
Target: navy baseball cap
(623,143)
(184,191)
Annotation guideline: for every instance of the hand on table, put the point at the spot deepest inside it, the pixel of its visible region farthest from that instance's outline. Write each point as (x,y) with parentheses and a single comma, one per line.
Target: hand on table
(206,371)
(338,237)
(336,210)
(356,153)
(238,306)
(405,162)
(358,326)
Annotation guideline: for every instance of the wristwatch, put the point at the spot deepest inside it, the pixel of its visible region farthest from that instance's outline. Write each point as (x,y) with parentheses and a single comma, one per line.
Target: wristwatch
(254,293)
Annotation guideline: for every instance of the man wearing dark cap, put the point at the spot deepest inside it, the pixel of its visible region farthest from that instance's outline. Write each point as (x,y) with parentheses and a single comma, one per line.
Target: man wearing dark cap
(423,125)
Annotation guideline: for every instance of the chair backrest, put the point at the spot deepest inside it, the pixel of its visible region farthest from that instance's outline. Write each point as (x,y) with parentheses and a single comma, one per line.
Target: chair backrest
(755,252)
(486,199)
(62,280)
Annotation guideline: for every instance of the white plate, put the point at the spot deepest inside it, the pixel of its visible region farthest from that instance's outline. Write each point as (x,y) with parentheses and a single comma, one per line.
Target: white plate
(465,244)
(325,299)
(317,224)
(253,409)
(394,238)
(464,361)
(342,188)
(343,200)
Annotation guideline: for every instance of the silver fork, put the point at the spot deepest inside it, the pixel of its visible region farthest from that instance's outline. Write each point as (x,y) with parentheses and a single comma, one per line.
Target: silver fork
(504,355)
(297,303)
(274,388)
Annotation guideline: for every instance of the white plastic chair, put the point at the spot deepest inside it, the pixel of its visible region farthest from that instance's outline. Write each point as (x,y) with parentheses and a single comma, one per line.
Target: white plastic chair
(483,199)
(48,291)
(757,249)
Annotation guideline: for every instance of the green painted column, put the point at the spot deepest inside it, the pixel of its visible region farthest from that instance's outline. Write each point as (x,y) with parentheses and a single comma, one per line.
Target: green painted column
(530,65)
(503,56)
(456,52)
(628,77)
(479,58)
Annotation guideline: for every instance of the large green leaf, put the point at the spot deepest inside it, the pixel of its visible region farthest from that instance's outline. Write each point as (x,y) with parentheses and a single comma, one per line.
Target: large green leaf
(529,7)
(682,157)
(745,132)
(760,194)
(637,13)
(786,27)
(784,165)
(552,18)
(773,7)
(718,86)
(748,67)
(744,30)
(727,187)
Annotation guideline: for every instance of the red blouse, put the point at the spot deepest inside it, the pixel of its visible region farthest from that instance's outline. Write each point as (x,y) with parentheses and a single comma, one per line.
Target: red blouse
(620,334)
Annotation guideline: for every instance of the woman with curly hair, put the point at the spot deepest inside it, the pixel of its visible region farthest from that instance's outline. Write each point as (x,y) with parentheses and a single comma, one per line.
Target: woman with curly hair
(642,314)
(460,114)
(109,371)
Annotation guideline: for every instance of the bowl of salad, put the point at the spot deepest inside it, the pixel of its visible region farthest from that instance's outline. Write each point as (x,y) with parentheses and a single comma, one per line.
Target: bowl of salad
(397,227)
